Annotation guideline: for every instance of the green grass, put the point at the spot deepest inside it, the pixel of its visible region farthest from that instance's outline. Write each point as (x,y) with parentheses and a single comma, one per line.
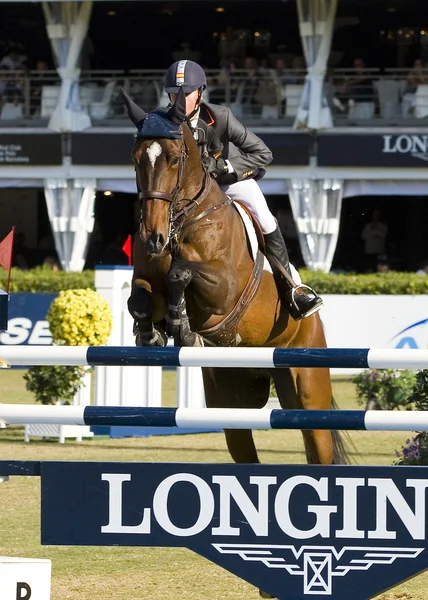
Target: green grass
(86,573)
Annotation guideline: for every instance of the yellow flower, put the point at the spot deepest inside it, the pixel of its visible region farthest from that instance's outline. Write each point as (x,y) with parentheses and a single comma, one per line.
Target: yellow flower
(80,318)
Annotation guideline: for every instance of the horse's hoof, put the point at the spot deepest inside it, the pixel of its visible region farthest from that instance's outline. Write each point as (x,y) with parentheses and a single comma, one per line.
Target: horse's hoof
(265,594)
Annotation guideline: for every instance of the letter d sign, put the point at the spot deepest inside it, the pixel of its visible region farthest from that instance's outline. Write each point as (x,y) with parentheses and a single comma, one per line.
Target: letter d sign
(23,591)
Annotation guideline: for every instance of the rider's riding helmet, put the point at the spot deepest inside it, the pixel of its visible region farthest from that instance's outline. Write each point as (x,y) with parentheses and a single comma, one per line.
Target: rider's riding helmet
(185,74)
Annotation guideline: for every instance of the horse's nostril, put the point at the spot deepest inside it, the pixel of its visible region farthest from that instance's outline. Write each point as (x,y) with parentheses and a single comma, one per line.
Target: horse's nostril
(156,243)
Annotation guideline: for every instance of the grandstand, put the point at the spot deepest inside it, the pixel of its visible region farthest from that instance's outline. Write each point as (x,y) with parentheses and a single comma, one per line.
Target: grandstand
(338,90)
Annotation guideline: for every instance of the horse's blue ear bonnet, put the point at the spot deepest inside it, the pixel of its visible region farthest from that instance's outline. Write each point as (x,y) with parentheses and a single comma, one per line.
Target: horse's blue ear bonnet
(157,125)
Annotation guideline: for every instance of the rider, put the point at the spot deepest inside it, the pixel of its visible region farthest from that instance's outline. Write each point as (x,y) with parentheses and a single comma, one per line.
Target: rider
(235,157)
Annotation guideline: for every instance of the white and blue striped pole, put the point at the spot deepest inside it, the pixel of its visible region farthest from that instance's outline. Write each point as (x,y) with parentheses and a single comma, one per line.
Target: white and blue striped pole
(170,356)
(216,418)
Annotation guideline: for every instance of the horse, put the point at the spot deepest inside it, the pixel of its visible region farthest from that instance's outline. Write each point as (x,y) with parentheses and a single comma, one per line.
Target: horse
(195,279)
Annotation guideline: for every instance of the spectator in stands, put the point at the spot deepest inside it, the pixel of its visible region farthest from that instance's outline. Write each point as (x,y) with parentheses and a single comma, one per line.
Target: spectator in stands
(298,68)
(13,61)
(38,81)
(374,236)
(271,90)
(417,76)
(225,87)
(360,92)
(251,83)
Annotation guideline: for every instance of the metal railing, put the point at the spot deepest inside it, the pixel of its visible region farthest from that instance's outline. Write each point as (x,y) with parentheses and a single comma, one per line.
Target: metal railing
(265,97)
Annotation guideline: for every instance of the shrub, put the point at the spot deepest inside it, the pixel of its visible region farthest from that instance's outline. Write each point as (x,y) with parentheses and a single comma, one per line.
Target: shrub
(415,450)
(385,389)
(374,283)
(80,318)
(45,281)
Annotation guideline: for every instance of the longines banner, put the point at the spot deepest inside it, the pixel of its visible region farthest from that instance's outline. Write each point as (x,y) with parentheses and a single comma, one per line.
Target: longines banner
(373,150)
(28,149)
(115,148)
(294,531)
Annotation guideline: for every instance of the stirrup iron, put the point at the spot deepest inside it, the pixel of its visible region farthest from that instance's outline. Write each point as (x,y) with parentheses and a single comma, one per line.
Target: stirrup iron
(296,310)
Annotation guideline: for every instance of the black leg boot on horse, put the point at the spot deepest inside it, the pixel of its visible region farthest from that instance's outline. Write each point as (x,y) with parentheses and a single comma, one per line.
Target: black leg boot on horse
(146,333)
(300,304)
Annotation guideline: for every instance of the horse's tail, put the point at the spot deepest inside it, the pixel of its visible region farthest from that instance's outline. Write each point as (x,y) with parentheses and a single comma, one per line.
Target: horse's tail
(341,444)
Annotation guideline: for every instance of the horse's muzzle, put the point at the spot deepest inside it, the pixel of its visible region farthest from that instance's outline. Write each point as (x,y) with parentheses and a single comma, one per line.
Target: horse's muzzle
(155,243)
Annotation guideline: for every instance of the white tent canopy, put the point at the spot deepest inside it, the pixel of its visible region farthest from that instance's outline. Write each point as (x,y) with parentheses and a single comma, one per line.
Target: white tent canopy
(70,203)
(316,24)
(67,25)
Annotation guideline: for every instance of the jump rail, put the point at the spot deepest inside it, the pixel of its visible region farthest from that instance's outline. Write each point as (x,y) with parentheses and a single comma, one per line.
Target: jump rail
(214,357)
(219,418)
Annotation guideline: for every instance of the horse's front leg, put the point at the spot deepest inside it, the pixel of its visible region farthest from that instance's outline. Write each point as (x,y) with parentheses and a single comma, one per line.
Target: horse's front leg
(140,306)
(214,291)
(178,326)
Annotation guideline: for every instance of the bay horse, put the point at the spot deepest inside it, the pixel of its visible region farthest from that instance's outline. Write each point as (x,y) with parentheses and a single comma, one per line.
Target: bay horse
(195,279)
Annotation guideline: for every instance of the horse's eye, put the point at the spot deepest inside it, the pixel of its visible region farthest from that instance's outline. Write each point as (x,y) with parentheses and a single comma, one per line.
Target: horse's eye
(175,160)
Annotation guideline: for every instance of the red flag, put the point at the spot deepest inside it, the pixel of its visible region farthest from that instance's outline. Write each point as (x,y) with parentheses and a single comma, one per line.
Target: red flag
(6,250)
(127,248)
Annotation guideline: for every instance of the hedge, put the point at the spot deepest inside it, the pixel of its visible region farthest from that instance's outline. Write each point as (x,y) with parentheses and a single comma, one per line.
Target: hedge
(45,280)
(374,283)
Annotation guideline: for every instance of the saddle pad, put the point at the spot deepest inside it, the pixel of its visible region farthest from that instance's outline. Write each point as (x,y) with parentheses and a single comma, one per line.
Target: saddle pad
(252,237)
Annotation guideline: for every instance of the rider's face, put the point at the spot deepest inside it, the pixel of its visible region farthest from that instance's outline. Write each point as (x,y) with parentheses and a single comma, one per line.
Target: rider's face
(191,101)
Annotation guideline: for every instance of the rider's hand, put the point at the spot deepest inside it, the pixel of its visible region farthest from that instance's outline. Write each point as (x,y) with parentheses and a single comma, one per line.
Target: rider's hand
(215,166)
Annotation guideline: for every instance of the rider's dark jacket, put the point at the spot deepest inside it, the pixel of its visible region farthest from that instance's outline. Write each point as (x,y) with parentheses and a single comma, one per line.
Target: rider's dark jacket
(228,138)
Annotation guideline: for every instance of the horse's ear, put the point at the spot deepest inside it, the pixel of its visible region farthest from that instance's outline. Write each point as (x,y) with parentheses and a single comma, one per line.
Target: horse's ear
(135,113)
(177,112)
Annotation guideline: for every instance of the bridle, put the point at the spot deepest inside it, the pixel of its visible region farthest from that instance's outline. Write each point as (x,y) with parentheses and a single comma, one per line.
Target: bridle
(176,218)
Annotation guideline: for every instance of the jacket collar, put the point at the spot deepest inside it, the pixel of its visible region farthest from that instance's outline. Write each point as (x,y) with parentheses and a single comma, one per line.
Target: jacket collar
(206,115)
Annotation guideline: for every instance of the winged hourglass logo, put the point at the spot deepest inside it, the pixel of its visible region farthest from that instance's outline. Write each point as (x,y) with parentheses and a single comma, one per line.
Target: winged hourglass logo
(318,565)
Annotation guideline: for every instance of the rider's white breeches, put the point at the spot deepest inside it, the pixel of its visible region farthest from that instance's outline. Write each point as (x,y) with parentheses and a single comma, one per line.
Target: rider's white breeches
(250,195)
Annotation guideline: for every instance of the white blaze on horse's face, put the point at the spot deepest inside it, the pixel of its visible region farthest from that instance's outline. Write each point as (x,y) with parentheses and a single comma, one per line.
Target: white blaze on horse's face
(154,151)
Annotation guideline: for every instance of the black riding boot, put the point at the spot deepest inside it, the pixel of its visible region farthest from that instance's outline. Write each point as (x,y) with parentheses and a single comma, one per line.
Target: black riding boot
(300,304)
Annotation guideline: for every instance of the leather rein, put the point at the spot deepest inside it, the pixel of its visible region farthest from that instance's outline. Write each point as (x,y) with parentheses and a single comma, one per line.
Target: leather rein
(180,220)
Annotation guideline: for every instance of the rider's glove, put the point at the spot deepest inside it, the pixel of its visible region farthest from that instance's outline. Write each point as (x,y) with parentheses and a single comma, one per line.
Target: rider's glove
(215,166)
